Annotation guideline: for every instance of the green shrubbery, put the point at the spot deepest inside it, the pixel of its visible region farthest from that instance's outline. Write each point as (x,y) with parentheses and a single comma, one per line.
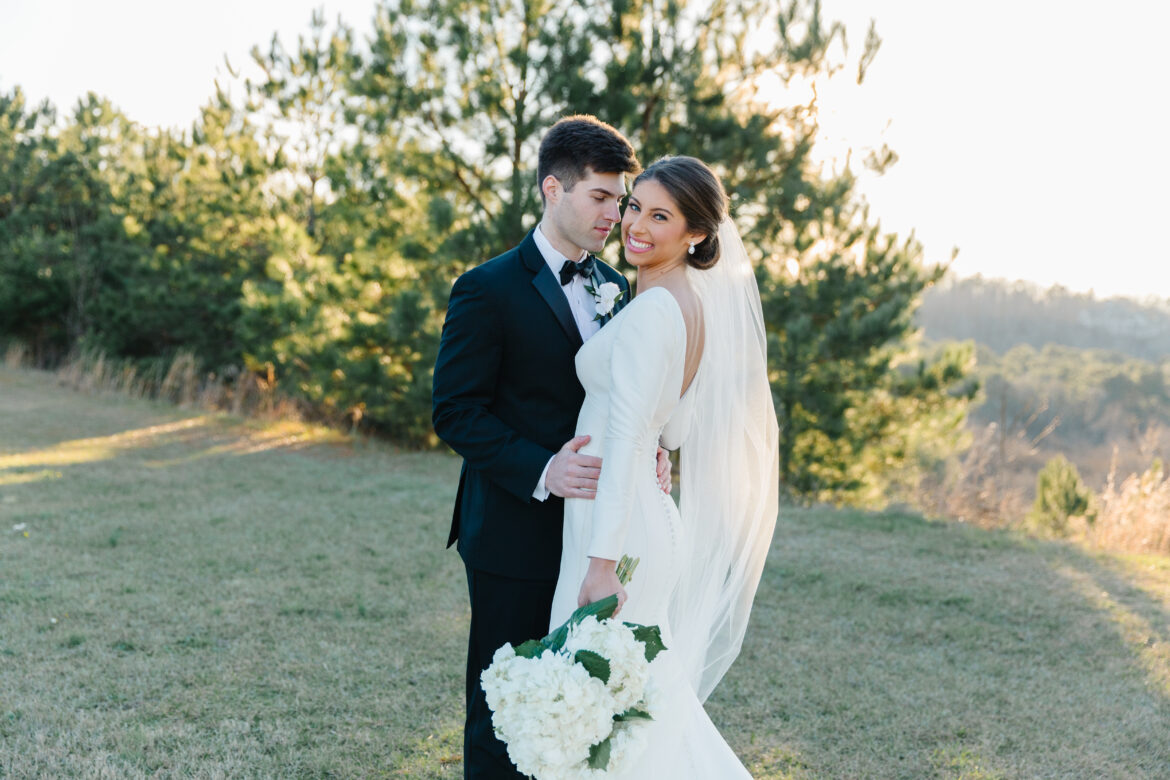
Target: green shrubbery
(1060,496)
(308,229)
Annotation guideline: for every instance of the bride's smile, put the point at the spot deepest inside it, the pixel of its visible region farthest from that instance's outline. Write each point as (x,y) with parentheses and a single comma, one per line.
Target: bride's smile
(634,245)
(654,232)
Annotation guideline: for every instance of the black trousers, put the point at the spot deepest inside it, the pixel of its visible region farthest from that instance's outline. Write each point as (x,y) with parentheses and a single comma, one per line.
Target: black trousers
(502,610)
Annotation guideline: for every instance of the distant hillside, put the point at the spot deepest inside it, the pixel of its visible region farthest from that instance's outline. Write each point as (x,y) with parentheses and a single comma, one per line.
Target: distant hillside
(1000,314)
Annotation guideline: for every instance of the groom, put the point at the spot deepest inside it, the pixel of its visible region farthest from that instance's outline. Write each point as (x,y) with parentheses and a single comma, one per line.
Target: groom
(506,398)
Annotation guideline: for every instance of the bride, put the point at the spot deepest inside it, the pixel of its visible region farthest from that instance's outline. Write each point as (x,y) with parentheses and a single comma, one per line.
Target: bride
(683,364)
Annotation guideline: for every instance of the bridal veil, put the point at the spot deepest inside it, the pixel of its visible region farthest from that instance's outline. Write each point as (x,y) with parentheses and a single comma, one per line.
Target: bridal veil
(729,470)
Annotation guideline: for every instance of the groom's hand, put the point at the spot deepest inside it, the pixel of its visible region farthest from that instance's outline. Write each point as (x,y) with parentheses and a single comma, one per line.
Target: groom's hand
(664,470)
(571,474)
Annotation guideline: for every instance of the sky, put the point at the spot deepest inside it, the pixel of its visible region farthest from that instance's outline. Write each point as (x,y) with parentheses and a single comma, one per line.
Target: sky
(1032,134)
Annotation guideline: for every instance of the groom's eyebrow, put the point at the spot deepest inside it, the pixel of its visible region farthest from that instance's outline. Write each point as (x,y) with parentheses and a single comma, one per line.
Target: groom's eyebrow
(604,191)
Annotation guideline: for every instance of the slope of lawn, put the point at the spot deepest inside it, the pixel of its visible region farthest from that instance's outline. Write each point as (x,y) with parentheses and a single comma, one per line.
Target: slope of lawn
(188,594)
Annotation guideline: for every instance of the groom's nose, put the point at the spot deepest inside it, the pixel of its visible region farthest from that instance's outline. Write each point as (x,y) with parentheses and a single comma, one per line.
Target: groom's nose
(612,212)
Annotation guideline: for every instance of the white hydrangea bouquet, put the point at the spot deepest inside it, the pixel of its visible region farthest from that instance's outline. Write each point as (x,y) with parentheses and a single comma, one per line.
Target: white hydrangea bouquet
(573,705)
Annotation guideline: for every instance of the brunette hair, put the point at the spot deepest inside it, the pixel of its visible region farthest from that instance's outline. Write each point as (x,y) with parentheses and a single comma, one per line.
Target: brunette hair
(579,142)
(700,197)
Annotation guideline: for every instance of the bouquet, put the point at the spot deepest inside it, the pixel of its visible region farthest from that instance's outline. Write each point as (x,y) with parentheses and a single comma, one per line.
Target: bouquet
(574,704)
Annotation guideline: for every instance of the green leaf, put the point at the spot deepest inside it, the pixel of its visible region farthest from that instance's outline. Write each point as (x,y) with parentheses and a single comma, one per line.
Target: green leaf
(556,640)
(596,665)
(651,637)
(602,609)
(530,649)
(599,754)
(633,713)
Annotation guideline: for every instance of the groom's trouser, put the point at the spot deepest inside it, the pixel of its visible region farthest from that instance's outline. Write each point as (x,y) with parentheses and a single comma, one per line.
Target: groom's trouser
(502,610)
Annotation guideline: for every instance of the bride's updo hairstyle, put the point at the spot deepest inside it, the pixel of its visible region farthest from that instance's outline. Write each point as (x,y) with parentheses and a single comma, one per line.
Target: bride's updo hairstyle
(699,195)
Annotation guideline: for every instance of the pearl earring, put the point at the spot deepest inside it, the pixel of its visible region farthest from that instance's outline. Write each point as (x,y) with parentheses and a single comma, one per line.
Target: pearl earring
(691,251)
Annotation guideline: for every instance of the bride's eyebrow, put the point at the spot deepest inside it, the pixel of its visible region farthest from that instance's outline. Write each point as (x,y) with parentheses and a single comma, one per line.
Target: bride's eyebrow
(664,210)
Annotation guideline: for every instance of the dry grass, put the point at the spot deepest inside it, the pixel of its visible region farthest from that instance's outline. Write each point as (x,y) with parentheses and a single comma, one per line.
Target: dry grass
(888,646)
(1134,516)
(15,355)
(992,486)
(200,596)
(988,485)
(180,382)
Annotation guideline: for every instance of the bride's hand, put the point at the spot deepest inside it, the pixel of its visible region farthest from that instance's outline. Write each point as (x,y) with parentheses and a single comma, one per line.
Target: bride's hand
(600,581)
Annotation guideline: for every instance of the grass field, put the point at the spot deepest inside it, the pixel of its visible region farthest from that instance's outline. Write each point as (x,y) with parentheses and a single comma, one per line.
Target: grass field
(192,595)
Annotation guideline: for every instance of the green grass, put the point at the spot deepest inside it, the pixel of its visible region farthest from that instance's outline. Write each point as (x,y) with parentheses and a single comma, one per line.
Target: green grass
(203,596)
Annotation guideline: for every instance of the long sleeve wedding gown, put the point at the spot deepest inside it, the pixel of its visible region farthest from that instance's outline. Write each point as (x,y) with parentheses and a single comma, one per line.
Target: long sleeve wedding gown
(632,371)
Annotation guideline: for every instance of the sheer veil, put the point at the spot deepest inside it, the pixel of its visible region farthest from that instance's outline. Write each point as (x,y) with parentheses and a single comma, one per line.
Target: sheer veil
(729,470)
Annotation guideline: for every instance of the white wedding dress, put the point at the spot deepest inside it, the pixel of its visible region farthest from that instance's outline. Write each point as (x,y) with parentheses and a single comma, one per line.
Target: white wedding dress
(632,372)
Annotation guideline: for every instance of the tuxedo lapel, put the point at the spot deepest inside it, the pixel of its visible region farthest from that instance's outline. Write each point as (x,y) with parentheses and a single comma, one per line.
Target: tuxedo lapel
(550,290)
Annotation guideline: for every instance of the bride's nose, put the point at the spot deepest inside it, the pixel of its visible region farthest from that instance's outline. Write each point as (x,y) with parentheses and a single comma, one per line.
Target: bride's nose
(634,225)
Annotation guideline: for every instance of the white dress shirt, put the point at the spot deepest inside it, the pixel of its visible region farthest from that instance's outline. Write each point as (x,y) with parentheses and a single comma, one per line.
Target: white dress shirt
(580,301)
(584,310)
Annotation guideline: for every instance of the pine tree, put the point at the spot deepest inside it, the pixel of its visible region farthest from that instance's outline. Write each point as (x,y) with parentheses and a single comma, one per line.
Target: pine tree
(346,316)
(1060,495)
(470,85)
(34,303)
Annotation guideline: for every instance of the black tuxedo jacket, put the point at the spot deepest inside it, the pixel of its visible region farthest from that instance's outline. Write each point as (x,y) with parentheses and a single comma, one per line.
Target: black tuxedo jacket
(506,398)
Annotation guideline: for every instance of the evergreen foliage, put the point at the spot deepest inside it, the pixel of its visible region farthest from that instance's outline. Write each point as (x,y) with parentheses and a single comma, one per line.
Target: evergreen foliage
(312,231)
(1060,495)
(682,78)
(1088,398)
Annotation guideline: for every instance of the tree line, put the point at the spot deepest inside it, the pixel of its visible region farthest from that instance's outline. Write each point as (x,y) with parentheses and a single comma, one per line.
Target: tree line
(308,226)
(1087,398)
(1001,314)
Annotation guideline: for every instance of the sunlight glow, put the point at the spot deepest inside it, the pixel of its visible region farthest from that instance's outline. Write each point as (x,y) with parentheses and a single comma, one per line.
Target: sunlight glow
(287,435)
(23,478)
(98,448)
(1148,642)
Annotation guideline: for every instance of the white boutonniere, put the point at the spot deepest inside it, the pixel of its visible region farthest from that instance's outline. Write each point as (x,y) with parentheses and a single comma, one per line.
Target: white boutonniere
(605,296)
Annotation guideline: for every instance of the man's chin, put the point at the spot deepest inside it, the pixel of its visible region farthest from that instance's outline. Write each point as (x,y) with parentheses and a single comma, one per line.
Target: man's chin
(594,244)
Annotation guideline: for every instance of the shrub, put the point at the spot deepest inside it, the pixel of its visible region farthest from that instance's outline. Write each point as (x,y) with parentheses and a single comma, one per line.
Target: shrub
(1060,495)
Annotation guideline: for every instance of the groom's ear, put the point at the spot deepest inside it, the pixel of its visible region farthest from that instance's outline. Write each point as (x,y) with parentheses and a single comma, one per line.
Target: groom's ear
(551,188)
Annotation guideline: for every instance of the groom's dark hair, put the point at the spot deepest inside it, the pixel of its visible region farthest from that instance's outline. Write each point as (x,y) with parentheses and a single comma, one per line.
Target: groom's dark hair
(579,142)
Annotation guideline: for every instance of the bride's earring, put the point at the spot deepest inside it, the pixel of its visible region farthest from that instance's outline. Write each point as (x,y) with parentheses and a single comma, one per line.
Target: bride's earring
(691,250)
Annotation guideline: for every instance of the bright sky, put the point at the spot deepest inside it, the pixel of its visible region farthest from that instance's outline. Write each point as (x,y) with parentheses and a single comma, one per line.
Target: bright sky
(1032,133)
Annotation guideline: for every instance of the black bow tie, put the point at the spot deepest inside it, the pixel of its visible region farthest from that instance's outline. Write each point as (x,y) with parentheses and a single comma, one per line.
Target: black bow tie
(570,269)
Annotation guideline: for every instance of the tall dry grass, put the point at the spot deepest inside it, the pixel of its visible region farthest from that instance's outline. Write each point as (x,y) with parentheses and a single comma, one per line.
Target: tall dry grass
(988,485)
(1134,516)
(992,485)
(16,355)
(181,382)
